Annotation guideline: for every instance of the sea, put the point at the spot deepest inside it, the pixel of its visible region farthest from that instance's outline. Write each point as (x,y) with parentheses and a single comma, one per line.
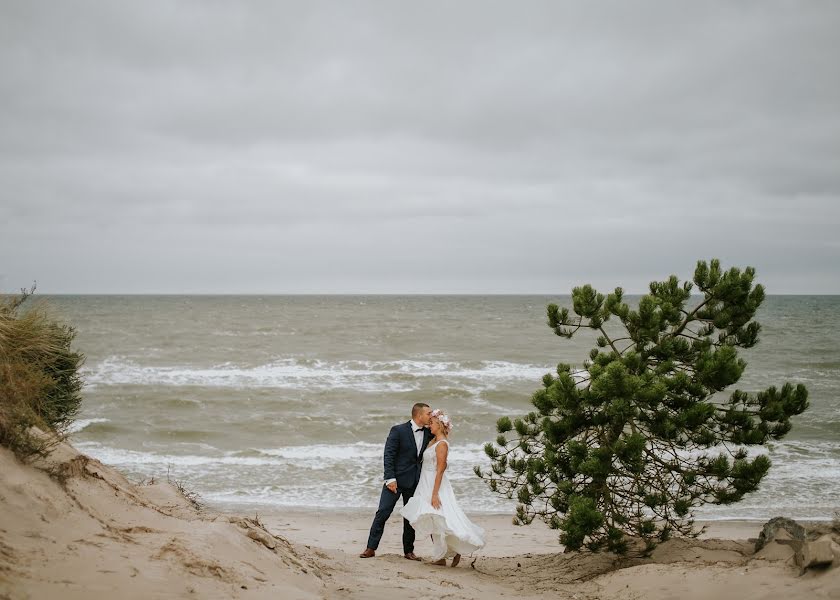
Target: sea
(265,403)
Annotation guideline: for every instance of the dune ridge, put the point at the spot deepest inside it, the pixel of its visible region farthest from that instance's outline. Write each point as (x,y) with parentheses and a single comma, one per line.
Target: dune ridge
(75,528)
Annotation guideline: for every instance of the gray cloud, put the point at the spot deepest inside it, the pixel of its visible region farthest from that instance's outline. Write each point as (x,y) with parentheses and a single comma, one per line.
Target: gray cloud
(437,147)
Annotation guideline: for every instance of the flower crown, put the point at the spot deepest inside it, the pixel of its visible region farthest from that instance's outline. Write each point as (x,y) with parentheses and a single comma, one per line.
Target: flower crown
(443,418)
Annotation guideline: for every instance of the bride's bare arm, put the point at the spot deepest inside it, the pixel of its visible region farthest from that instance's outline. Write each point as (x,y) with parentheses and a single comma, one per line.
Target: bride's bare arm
(442,451)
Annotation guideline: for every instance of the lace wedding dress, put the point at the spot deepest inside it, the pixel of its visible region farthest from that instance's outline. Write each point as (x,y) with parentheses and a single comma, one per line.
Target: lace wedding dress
(452,532)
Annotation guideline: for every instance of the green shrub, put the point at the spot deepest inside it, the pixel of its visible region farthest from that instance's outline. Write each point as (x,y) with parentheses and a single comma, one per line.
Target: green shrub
(40,384)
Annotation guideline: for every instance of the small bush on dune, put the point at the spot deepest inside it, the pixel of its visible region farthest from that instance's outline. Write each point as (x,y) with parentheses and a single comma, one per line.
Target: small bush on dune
(40,384)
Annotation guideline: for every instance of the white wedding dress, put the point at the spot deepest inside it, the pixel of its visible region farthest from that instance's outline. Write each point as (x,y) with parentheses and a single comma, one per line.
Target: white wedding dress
(452,532)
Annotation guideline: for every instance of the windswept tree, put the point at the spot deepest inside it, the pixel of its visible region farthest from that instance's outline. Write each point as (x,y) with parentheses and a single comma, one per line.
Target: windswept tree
(630,444)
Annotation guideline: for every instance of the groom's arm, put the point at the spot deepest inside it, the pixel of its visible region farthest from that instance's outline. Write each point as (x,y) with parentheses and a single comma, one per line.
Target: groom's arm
(392,444)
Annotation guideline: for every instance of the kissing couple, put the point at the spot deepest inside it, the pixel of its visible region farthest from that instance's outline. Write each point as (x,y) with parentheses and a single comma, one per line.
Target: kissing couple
(416,459)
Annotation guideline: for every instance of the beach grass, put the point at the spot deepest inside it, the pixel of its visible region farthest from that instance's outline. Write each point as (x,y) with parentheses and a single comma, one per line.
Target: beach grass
(40,384)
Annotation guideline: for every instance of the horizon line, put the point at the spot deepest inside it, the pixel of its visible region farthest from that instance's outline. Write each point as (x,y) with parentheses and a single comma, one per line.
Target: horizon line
(471,294)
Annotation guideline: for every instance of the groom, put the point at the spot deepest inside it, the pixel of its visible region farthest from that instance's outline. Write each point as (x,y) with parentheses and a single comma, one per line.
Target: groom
(403,459)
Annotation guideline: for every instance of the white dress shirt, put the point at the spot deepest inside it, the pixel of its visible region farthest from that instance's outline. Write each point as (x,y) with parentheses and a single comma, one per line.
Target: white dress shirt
(418,439)
(418,435)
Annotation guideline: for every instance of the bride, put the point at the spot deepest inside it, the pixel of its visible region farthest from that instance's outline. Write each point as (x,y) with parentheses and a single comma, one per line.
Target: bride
(433,509)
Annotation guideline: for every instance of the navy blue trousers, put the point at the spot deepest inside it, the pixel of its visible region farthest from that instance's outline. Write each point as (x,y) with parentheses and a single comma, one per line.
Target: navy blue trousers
(387,502)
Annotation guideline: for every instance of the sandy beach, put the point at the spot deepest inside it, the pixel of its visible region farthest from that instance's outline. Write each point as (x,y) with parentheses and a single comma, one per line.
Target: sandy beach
(348,531)
(72,527)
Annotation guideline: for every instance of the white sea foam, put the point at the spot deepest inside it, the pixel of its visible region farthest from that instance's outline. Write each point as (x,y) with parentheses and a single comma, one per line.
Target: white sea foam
(369,376)
(121,457)
(802,482)
(316,456)
(324,498)
(82,424)
(338,497)
(358,451)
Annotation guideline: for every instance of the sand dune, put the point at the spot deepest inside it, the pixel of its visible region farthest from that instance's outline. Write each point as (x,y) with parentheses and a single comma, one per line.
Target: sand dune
(72,527)
(87,532)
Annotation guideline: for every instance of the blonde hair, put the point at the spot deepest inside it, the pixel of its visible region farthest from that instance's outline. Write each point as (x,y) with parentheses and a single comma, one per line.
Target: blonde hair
(443,419)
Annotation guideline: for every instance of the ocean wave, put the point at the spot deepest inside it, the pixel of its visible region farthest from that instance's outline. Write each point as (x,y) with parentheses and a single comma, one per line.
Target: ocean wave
(802,482)
(316,456)
(82,424)
(359,451)
(121,457)
(370,376)
(794,458)
(337,498)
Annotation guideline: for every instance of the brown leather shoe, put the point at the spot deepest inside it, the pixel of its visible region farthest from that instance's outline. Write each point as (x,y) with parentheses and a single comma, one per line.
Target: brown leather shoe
(412,556)
(368,553)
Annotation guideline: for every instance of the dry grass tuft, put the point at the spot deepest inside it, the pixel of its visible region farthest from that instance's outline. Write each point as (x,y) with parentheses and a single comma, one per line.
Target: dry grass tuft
(256,521)
(40,385)
(192,497)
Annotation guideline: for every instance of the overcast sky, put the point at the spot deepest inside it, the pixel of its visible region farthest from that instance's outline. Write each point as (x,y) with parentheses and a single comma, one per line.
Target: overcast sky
(416,147)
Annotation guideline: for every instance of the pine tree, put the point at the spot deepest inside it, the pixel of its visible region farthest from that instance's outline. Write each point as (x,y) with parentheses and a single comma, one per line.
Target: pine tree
(628,446)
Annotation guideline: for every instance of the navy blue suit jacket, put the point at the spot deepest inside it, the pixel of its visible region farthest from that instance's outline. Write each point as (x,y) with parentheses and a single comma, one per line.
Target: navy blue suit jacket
(401,459)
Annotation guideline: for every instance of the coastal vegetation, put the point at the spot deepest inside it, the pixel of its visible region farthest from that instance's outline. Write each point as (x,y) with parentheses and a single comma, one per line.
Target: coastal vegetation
(626,447)
(40,383)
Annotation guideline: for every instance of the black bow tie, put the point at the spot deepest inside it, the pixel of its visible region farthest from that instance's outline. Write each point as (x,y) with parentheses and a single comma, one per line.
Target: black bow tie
(416,430)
